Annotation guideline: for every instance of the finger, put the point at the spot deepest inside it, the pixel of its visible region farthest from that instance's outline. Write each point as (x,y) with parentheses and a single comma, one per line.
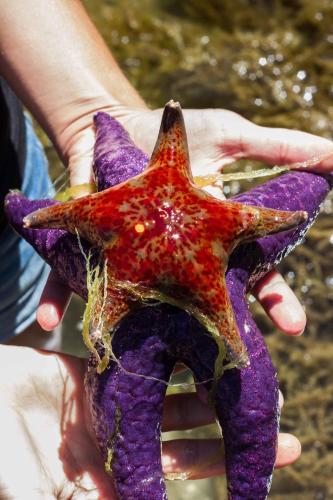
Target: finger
(279,146)
(289,450)
(203,393)
(53,303)
(280,304)
(321,163)
(193,458)
(190,410)
(185,411)
(202,458)
(179,368)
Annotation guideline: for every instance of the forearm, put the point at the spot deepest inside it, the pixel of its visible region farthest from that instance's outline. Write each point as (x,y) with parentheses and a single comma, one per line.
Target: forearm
(58,64)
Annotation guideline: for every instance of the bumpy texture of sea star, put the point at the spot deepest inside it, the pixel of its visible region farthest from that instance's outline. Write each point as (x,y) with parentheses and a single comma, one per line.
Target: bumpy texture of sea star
(127,409)
(169,238)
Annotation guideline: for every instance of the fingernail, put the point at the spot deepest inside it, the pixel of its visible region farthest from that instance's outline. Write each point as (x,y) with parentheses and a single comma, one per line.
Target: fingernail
(291,319)
(47,317)
(289,449)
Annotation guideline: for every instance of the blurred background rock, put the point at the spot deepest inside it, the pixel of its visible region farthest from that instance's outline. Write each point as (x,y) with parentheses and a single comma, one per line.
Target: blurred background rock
(271,61)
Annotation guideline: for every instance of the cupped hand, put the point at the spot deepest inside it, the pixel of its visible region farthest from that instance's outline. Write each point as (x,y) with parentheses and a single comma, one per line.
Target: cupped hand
(216,138)
(47,449)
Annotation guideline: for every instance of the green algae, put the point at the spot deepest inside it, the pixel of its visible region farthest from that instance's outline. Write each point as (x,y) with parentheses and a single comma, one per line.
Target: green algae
(271,61)
(112,441)
(97,334)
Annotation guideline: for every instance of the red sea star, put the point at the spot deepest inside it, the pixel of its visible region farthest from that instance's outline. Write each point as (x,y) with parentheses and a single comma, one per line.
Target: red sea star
(163,237)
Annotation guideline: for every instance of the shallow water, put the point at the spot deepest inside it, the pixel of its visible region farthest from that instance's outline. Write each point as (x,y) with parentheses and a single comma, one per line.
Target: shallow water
(271,61)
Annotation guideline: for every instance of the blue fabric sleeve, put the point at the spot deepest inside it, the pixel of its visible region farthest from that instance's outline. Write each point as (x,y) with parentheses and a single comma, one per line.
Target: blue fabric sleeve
(22,272)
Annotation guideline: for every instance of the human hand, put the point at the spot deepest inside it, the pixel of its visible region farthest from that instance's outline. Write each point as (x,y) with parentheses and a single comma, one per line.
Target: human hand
(47,449)
(216,138)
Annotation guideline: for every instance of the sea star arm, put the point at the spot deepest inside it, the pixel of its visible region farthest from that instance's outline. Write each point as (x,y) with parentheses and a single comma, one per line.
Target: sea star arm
(269,221)
(116,158)
(222,323)
(251,222)
(95,217)
(171,149)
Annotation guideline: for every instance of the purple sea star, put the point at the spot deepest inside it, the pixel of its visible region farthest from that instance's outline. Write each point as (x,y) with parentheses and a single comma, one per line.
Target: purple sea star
(126,409)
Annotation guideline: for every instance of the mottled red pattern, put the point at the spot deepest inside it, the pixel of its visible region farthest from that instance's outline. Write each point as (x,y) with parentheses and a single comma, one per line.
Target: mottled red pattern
(168,237)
